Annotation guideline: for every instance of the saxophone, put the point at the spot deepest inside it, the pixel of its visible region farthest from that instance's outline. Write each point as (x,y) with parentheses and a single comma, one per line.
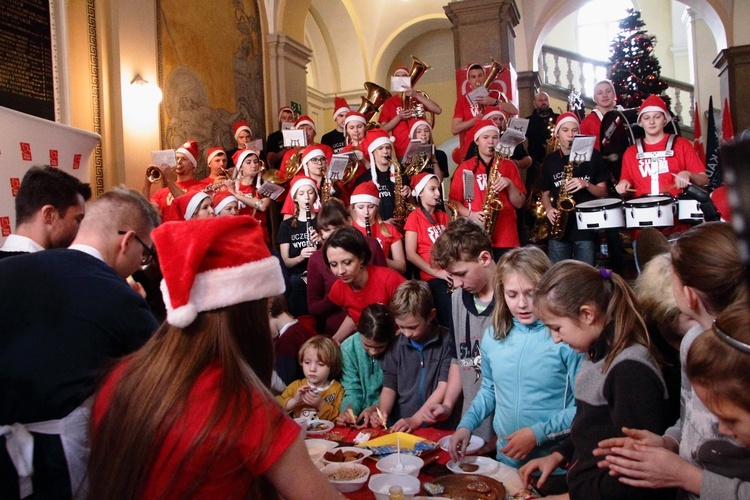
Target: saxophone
(492,204)
(565,205)
(325,188)
(401,207)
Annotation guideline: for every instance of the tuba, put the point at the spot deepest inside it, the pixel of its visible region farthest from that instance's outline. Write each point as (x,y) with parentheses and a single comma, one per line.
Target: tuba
(418,68)
(565,205)
(492,204)
(376,97)
(293,164)
(495,70)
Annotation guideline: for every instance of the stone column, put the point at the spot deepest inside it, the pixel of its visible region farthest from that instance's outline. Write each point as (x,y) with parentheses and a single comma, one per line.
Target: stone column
(734,73)
(287,65)
(528,83)
(483,29)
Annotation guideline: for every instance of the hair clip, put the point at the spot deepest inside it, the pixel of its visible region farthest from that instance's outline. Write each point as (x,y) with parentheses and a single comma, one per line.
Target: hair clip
(606,273)
(731,341)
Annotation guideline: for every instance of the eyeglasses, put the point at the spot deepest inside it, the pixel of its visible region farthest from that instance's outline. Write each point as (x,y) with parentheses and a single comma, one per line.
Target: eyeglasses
(148,255)
(319,160)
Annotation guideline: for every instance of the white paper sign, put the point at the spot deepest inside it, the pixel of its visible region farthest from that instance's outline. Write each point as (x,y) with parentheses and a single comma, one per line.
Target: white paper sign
(582,148)
(255,145)
(509,140)
(411,151)
(519,124)
(400,83)
(294,138)
(286,126)
(270,190)
(164,157)
(337,167)
(476,93)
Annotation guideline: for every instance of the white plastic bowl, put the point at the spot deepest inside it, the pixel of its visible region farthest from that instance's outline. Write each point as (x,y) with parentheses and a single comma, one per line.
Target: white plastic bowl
(365,454)
(317,447)
(347,486)
(380,484)
(412,465)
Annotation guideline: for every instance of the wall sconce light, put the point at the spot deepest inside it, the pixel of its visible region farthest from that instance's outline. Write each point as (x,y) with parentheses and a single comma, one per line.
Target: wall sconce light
(146,90)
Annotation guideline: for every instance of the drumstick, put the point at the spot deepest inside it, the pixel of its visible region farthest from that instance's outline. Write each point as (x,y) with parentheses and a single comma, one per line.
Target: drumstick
(630,190)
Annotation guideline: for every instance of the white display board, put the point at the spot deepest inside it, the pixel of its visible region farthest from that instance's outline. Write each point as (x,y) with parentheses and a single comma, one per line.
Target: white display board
(26,141)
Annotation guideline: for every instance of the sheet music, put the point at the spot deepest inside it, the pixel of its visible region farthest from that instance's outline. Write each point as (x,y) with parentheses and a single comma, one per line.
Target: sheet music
(294,138)
(255,145)
(411,151)
(582,148)
(468,185)
(287,126)
(519,124)
(400,83)
(509,140)
(165,156)
(337,167)
(270,190)
(477,92)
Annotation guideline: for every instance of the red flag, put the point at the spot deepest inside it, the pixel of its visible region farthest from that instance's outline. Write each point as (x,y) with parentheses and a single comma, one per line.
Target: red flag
(697,139)
(727,131)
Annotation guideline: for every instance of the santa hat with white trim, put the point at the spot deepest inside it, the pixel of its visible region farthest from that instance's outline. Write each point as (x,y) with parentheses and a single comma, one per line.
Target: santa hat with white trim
(285,108)
(490,111)
(190,149)
(340,106)
(653,103)
(473,66)
(214,152)
(481,127)
(304,120)
(240,126)
(374,139)
(418,123)
(212,263)
(419,182)
(189,202)
(222,199)
(355,116)
(608,82)
(239,157)
(401,68)
(310,152)
(566,117)
(367,192)
(302,180)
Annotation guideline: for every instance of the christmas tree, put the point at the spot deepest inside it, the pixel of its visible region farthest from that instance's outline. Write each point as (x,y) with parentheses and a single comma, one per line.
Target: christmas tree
(635,71)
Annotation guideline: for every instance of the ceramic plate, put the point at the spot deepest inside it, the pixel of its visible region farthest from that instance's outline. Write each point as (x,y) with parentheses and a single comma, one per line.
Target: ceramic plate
(475,444)
(318,427)
(485,465)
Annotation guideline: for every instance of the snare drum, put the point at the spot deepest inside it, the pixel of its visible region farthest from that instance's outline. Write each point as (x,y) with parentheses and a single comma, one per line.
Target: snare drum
(688,209)
(604,213)
(649,211)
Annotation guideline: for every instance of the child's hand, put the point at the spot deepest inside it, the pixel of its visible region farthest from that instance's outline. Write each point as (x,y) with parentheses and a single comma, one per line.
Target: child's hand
(458,443)
(435,413)
(315,238)
(307,252)
(310,398)
(366,416)
(545,465)
(520,444)
(407,424)
(378,419)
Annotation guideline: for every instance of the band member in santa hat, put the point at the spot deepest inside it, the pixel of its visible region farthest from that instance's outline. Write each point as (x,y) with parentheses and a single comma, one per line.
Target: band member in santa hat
(500,118)
(275,143)
(187,160)
(421,130)
(364,212)
(660,162)
(298,239)
(605,99)
(466,115)
(382,172)
(588,182)
(508,188)
(308,125)
(243,136)
(246,188)
(218,167)
(335,138)
(394,119)
(423,227)
(314,161)
(355,129)
(195,205)
(189,414)
(225,203)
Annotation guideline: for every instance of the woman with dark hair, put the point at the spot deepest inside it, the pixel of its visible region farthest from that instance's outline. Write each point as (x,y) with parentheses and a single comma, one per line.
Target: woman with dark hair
(189,414)
(346,253)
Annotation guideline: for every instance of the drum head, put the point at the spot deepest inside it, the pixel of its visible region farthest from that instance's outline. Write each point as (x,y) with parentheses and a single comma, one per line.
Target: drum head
(649,201)
(598,204)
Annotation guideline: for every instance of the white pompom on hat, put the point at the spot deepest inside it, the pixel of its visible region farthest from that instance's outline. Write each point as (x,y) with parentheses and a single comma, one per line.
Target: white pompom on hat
(190,149)
(212,263)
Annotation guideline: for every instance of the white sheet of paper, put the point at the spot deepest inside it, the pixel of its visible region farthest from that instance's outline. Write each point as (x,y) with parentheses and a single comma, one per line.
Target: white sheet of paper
(287,126)
(411,151)
(165,156)
(294,138)
(256,145)
(582,148)
(519,124)
(509,140)
(337,167)
(270,190)
(400,83)
(477,92)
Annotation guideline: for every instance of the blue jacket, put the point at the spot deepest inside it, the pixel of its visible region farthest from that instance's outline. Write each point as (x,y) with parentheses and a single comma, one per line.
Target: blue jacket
(528,381)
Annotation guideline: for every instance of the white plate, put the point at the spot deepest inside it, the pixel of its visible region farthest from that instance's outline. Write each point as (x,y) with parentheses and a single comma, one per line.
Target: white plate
(486,465)
(475,444)
(325,426)
(317,447)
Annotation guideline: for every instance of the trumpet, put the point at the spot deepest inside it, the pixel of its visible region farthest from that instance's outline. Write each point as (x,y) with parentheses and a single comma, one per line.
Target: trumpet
(154,174)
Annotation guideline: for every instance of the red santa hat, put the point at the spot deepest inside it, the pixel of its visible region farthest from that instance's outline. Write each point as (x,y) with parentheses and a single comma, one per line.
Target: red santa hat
(472,66)
(481,127)
(490,111)
(653,103)
(212,263)
(241,155)
(189,202)
(401,68)
(310,152)
(304,120)
(282,109)
(374,139)
(566,117)
(367,192)
(419,182)
(190,149)
(340,106)
(302,180)
(355,116)
(240,126)
(418,123)
(214,152)
(222,199)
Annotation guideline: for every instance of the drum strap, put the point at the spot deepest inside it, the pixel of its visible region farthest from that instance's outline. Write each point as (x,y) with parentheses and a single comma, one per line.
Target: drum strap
(669,151)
